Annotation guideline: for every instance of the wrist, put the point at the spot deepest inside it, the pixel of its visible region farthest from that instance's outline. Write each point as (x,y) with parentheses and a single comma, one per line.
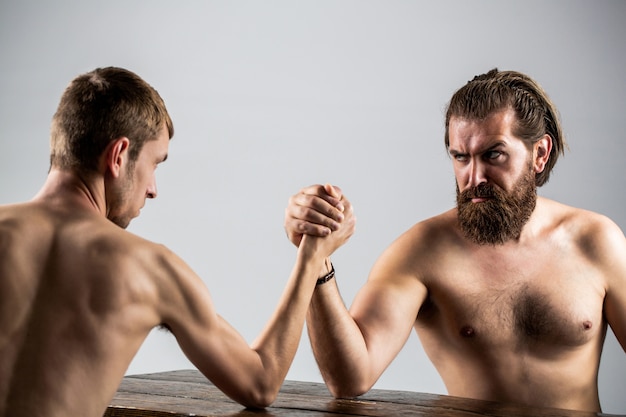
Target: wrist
(328,275)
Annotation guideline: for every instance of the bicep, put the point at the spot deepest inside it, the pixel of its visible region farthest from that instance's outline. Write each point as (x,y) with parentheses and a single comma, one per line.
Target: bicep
(615,301)
(210,343)
(611,252)
(385,310)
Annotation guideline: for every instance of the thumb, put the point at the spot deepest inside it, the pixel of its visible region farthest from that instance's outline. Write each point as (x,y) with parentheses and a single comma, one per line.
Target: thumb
(332,191)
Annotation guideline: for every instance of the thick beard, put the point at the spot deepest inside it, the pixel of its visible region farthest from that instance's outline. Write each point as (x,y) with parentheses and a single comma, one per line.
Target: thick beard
(502,216)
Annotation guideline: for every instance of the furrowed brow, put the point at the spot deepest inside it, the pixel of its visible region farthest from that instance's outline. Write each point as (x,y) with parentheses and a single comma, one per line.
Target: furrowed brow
(454,152)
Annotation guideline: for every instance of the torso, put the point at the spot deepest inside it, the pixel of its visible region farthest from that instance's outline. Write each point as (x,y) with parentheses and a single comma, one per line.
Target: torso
(521,322)
(66,291)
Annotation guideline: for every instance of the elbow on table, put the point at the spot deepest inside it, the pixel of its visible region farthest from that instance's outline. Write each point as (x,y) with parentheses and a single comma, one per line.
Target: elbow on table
(348,389)
(260,397)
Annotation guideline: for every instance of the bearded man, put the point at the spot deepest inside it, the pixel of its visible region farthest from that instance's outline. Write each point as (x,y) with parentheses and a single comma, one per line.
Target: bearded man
(496,326)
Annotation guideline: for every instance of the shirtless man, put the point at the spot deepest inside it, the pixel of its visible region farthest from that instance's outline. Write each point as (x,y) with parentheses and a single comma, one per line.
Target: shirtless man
(510,294)
(79,294)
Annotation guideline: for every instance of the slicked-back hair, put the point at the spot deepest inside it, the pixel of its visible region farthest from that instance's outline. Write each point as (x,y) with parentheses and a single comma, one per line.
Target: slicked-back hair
(535,113)
(99,107)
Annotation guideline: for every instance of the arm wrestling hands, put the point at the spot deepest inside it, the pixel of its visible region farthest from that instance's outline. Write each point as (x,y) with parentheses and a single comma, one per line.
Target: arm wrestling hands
(353,347)
(338,345)
(250,374)
(317,210)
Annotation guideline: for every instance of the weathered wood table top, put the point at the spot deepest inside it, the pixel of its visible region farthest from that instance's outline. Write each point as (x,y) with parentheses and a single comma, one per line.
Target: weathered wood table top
(189,393)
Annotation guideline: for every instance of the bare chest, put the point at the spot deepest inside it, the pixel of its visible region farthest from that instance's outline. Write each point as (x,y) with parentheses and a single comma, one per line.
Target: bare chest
(516,302)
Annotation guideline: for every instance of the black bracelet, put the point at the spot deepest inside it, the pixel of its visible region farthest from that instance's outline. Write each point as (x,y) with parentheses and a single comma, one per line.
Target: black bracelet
(327,277)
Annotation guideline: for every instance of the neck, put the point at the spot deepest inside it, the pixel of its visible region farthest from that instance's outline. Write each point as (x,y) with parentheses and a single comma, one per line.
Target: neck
(68,188)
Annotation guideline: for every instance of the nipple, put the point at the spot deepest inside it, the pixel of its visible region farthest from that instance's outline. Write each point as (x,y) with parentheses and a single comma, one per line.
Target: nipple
(467,331)
(587,324)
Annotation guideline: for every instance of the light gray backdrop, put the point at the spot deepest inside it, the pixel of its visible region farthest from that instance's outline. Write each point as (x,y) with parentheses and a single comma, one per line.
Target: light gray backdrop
(271,96)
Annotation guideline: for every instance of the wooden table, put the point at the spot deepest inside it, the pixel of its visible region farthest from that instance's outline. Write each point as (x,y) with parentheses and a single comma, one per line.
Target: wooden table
(189,393)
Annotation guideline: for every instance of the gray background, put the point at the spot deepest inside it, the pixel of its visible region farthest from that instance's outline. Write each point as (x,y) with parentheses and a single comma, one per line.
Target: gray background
(271,96)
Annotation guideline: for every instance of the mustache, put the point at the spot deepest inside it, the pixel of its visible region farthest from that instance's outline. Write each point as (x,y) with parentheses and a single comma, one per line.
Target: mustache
(480,191)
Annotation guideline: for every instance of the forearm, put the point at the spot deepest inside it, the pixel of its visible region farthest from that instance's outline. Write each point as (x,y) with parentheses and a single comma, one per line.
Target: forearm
(277,344)
(338,344)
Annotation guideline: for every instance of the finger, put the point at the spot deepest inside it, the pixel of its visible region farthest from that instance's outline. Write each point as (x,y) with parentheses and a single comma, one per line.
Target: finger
(314,209)
(329,193)
(320,215)
(296,229)
(336,197)
(333,191)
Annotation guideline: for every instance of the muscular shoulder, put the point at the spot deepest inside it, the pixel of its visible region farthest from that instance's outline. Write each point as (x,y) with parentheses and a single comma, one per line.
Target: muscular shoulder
(20,219)
(25,235)
(594,234)
(162,276)
(75,246)
(590,236)
(429,238)
(132,259)
(422,247)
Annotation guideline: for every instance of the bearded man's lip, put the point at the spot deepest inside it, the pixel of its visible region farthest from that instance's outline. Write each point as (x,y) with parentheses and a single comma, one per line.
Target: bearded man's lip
(479,199)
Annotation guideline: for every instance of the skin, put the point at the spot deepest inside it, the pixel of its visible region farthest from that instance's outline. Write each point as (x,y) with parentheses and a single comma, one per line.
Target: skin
(520,322)
(79,295)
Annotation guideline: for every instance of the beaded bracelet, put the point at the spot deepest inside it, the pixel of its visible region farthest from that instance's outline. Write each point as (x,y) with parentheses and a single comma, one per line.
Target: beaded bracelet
(326,277)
